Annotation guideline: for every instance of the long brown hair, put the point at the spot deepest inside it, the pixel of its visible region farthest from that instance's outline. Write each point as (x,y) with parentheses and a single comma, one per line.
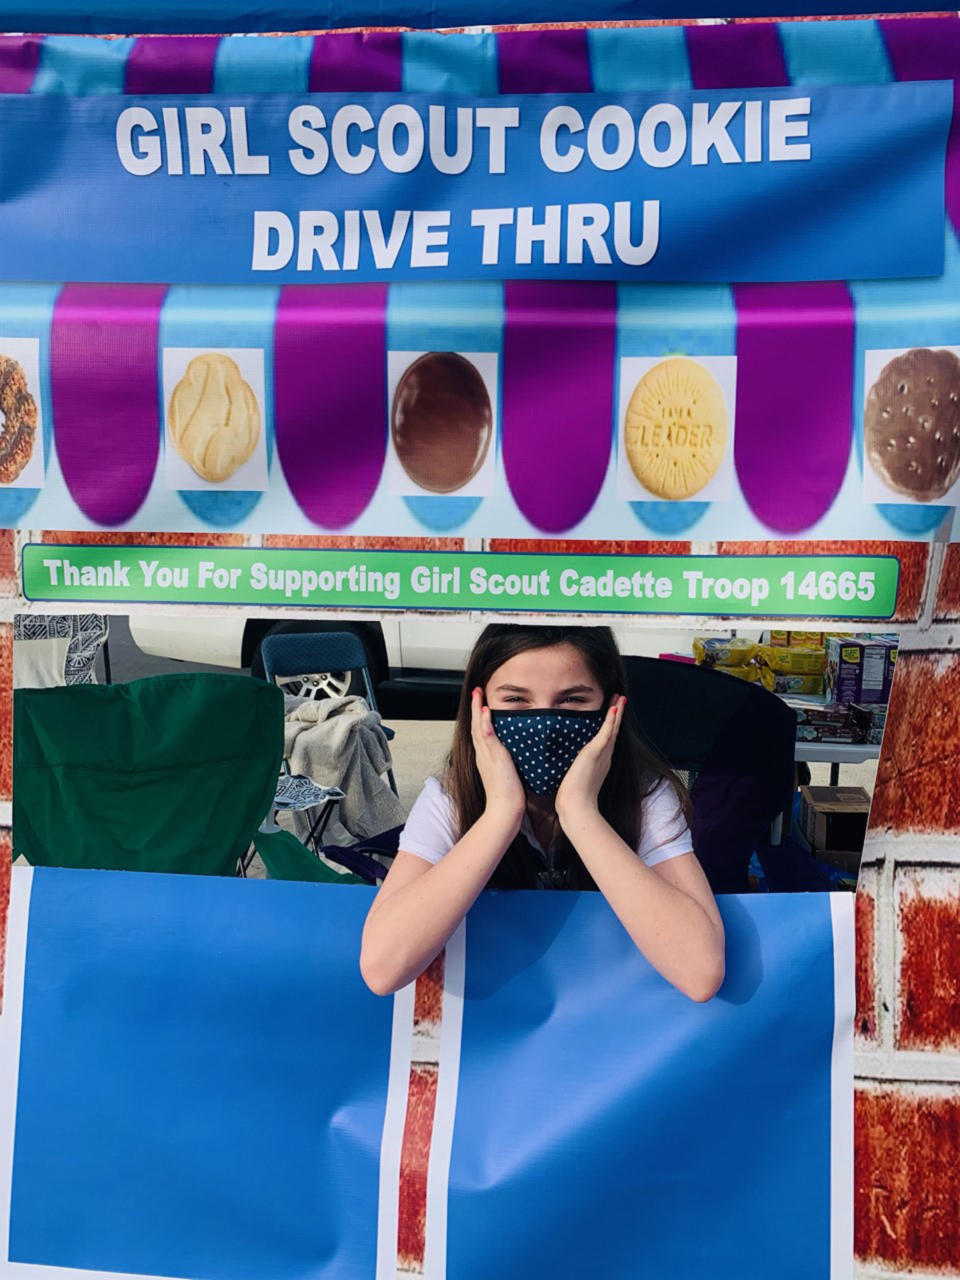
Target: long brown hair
(635,770)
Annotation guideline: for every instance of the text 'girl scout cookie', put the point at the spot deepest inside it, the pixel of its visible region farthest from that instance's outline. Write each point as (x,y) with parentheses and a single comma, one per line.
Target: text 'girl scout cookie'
(214,417)
(441,421)
(911,423)
(675,431)
(19,412)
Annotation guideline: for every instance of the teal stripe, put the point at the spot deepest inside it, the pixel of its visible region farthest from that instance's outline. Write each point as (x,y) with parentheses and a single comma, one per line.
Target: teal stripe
(26,311)
(644,58)
(835,52)
(217,317)
(262,64)
(436,63)
(81,65)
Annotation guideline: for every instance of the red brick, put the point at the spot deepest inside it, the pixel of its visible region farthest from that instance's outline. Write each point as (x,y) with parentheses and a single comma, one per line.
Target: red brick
(866,1017)
(428,996)
(5,852)
(913,558)
(107,538)
(929,987)
(587,546)
(8,563)
(948,588)
(918,779)
(6,710)
(333,542)
(906,1156)
(414,1160)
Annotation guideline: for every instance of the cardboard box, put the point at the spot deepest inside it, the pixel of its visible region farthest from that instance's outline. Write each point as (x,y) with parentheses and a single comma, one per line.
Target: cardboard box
(834,819)
(858,670)
(806,639)
(780,639)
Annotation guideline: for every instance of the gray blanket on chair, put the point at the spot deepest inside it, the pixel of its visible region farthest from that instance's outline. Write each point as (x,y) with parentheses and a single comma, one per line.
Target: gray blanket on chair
(339,742)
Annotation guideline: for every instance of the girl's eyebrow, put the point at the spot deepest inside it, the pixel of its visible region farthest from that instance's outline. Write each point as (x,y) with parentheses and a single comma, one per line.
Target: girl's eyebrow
(576,688)
(510,688)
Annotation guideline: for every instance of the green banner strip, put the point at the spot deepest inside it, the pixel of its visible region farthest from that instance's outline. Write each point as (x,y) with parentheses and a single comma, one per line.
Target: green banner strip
(761,586)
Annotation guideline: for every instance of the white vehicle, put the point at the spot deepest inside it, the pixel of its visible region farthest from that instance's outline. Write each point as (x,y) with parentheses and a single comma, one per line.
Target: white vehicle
(408,652)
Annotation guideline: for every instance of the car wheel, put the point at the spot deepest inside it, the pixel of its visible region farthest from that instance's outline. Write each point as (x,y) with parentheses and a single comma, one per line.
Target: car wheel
(311,684)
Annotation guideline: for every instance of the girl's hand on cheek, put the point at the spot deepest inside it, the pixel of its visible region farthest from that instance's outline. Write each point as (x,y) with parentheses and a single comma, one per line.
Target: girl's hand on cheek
(501,782)
(579,791)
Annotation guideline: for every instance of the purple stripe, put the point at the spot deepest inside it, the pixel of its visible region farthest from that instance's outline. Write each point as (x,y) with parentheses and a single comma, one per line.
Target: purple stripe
(559,358)
(544,62)
(795,342)
(331,397)
(929,49)
(171,64)
(795,348)
(103,373)
(357,62)
(736,55)
(19,59)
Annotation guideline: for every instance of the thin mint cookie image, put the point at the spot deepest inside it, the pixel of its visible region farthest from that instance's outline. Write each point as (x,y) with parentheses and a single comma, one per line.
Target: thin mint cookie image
(19,413)
(911,423)
(676,428)
(214,417)
(441,421)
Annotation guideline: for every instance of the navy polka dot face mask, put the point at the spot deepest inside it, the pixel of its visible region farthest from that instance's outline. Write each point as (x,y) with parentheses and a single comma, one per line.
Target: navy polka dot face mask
(544,744)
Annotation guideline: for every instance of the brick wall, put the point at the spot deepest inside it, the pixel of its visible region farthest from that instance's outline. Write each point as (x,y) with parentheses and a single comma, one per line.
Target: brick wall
(907,1063)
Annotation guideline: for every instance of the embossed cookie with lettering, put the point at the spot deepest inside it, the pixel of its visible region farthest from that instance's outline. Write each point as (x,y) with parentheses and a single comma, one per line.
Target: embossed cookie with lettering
(441,421)
(675,432)
(19,412)
(214,417)
(911,423)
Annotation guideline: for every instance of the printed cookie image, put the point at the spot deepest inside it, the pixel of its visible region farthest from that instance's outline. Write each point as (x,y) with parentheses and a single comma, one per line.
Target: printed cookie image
(214,417)
(911,423)
(19,411)
(675,431)
(441,421)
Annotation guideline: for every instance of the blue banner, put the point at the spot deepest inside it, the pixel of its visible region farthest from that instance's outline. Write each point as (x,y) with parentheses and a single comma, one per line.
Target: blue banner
(194,1082)
(715,185)
(297,15)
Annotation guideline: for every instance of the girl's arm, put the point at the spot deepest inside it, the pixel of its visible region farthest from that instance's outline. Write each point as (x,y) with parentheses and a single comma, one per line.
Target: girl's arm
(668,909)
(420,904)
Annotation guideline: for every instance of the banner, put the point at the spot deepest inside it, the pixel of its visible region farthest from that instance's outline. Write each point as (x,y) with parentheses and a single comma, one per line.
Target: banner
(227,1100)
(696,186)
(114,16)
(782,586)
(525,407)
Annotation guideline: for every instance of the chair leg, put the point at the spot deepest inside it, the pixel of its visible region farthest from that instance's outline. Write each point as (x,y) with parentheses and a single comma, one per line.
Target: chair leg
(393,782)
(106,663)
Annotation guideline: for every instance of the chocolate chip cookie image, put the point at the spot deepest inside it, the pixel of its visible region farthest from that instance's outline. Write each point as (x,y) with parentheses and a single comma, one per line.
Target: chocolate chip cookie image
(214,417)
(911,424)
(19,413)
(441,421)
(675,429)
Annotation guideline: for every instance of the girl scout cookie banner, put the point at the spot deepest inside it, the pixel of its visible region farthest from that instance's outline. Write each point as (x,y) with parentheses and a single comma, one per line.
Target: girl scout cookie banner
(800,586)
(227,1101)
(516,408)
(690,186)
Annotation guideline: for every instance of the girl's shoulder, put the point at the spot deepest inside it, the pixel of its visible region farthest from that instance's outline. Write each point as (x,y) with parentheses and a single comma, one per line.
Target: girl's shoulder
(430,829)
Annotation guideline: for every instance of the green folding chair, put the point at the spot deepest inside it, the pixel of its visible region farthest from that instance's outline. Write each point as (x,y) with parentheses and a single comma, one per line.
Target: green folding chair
(170,773)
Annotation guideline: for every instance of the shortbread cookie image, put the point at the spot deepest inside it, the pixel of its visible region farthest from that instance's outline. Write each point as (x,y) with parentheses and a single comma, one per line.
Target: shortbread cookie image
(214,418)
(19,411)
(675,431)
(911,423)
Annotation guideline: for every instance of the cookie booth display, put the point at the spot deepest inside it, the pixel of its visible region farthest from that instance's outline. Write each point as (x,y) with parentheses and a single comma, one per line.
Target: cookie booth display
(547,786)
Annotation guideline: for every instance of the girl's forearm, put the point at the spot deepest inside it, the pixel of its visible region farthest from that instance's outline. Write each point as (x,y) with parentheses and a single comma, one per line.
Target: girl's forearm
(406,929)
(672,929)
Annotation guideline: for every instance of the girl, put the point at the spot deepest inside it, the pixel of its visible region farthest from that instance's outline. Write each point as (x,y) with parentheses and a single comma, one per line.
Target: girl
(546,786)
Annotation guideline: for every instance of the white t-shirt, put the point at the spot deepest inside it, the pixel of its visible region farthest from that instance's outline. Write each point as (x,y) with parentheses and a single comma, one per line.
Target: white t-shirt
(431,829)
